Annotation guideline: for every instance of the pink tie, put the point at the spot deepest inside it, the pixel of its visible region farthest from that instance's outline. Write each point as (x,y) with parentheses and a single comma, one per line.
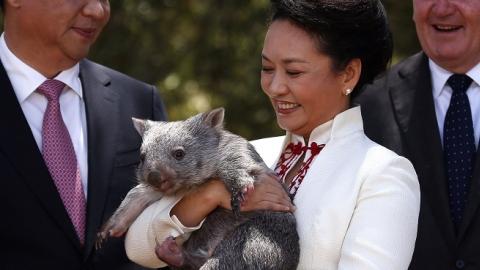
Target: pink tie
(60,158)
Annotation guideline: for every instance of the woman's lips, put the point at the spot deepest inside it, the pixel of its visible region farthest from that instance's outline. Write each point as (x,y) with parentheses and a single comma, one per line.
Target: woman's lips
(286,107)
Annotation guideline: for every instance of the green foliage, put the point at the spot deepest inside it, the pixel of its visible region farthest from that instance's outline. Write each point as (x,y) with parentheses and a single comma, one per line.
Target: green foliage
(403,28)
(200,54)
(206,54)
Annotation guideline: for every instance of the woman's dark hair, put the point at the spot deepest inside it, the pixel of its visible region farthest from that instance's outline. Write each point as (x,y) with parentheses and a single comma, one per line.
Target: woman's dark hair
(344,30)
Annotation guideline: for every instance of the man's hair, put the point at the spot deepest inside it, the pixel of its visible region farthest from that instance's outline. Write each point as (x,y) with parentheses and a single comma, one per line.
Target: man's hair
(1,5)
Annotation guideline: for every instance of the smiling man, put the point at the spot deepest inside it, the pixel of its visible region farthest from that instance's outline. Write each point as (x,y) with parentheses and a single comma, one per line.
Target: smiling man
(68,148)
(427,108)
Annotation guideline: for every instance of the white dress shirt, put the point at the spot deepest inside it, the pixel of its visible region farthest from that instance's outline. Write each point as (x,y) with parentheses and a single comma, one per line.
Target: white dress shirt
(442,93)
(25,80)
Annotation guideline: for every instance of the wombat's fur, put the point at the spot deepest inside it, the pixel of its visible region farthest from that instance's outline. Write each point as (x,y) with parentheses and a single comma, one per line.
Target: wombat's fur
(187,153)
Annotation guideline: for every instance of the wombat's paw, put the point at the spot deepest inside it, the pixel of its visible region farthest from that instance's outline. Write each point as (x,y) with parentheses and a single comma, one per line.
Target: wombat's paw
(110,229)
(101,238)
(169,252)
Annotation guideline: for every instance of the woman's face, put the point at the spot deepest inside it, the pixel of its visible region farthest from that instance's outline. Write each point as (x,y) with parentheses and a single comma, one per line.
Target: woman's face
(304,89)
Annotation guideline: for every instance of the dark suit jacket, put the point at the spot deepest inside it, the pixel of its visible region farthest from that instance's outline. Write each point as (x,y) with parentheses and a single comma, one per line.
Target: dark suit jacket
(399,113)
(35,231)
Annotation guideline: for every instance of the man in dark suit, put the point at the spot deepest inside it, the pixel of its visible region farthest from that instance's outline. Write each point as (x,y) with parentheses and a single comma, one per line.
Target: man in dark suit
(43,46)
(421,110)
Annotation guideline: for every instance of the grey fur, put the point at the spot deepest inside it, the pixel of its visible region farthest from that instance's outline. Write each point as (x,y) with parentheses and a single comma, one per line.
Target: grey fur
(188,153)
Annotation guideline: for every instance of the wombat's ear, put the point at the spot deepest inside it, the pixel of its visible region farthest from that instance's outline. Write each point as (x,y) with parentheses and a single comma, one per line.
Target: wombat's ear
(214,118)
(140,125)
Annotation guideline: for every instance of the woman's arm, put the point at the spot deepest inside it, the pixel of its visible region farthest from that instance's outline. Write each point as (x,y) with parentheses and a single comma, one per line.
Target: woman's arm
(196,205)
(153,226)
(383,228)
(268,194)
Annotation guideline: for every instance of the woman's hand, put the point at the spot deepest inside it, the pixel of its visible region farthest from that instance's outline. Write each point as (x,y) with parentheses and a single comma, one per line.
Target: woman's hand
(196,205)
(267,194)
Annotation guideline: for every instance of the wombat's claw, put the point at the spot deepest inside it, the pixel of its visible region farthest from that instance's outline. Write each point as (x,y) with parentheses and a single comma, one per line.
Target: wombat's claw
(243,196)
(169,252)
(245,193)
(110,229)
(101,237)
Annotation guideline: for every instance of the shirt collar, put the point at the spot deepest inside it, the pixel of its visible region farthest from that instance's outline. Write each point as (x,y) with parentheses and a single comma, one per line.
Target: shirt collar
(474,73)
(25,80)
(439,78)
(441,75)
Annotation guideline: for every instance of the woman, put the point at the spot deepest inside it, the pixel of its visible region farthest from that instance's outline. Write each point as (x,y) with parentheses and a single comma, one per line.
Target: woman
(357,203)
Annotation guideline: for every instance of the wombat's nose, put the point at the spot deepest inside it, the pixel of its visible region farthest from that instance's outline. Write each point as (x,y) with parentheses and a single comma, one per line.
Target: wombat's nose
(154,179)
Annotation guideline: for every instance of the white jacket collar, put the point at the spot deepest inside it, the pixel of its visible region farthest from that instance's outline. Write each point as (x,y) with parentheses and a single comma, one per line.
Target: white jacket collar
(341,125)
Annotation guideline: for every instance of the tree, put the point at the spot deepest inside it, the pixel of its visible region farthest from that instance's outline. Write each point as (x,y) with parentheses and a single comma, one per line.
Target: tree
(206,54)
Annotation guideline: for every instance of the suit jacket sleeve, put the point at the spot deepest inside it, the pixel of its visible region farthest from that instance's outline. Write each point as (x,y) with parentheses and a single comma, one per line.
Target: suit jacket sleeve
(383,228)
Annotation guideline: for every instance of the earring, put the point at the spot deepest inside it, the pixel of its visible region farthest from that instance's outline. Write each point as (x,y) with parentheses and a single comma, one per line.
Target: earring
(348,91)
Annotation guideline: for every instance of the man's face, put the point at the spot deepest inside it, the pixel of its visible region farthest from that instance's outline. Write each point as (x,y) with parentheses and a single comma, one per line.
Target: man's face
(62,29)
(449,32)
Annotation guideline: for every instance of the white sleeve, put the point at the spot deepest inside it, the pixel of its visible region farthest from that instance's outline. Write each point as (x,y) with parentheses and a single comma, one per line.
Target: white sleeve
(383,228)
(155,224)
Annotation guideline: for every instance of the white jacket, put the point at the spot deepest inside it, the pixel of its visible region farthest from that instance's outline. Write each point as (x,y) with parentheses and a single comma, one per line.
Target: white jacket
(358,205)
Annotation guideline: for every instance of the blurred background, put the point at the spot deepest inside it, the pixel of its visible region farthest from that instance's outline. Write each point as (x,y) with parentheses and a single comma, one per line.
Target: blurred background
(206,54)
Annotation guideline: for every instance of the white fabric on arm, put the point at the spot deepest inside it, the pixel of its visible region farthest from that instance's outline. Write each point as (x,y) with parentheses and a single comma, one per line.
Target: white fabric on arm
(155,224)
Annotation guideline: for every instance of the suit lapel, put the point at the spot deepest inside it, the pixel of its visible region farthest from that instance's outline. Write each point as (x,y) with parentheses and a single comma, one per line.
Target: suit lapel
(18,144)
(102,111)
(415,111)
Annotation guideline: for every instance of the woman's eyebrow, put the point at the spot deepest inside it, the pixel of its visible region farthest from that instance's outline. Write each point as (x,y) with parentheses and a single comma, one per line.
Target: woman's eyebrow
(287,60)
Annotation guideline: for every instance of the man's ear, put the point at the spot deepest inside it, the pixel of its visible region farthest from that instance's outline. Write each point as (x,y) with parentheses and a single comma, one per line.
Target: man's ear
(140,125)
(214,118)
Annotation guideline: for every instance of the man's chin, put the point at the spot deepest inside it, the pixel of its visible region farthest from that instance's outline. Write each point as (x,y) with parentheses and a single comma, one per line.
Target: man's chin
(77,53)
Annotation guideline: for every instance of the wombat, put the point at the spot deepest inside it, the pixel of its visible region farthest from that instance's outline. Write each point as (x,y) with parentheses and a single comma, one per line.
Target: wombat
(182,155)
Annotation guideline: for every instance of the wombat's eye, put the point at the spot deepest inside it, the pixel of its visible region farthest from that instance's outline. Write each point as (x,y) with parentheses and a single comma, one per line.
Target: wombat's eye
(142,157)
(178,154)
